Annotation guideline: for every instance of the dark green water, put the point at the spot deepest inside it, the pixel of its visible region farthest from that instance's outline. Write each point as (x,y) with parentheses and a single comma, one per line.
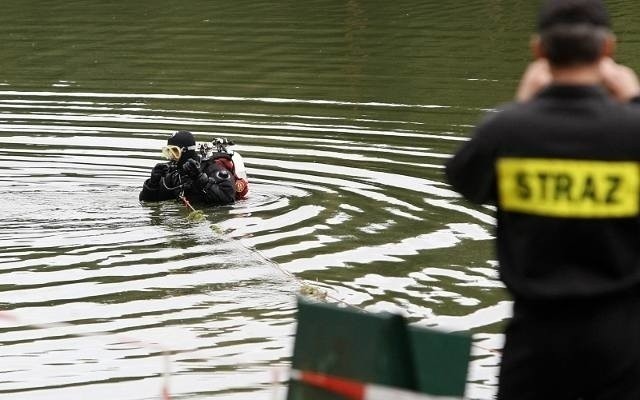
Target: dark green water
(344,112)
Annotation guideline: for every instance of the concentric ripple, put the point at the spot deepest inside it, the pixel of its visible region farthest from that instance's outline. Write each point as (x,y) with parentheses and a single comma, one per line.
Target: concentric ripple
(84,264)
(344,112)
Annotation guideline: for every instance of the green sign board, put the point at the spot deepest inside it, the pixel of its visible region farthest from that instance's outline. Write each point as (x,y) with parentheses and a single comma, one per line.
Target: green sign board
(375,349)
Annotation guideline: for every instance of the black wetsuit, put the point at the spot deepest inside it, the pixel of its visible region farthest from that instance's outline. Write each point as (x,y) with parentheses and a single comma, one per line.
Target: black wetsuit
(215,186)
(564,172)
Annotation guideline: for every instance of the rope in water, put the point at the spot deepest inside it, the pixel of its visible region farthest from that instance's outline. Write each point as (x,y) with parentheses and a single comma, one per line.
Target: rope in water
(305,288)
(164,351)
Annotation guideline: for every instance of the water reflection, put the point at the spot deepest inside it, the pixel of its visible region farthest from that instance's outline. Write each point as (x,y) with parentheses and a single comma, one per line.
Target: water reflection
(344,113)
(79,249)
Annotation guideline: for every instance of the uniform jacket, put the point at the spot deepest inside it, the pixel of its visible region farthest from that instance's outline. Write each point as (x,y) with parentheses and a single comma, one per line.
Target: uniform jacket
(563,171)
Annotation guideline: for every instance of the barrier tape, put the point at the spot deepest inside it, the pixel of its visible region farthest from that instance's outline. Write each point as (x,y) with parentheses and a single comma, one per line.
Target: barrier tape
(356,390)
(164,391)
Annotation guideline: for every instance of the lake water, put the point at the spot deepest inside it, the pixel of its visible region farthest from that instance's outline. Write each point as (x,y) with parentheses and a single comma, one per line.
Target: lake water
(344,112)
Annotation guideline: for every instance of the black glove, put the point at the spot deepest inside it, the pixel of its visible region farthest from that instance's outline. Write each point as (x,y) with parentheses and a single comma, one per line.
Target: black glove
(158,172)
(192,168)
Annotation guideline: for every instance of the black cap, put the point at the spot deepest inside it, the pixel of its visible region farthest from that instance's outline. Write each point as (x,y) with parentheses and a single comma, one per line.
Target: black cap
(182,139)
(572,12)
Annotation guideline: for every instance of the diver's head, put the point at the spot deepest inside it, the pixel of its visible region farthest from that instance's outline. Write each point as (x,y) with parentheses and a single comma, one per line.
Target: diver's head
(573,33)
(180,147)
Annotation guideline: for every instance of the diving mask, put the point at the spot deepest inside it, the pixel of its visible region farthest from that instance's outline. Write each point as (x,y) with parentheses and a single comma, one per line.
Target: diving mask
(171,152)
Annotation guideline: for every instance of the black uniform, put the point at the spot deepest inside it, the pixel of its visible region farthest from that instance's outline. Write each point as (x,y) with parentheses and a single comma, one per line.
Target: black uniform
(563,171)
(213,185)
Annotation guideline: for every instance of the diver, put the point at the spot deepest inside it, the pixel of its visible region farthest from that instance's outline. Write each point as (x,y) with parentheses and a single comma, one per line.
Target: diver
(205,174)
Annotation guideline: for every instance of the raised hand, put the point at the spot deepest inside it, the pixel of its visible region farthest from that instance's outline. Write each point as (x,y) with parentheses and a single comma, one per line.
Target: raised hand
(192,168)
(158,171)
(620,80)
(535,78)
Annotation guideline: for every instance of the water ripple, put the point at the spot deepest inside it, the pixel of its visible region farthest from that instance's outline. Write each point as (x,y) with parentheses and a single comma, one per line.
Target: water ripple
(370,222)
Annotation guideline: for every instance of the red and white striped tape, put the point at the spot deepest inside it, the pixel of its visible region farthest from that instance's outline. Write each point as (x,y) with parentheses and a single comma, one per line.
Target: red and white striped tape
(356,390)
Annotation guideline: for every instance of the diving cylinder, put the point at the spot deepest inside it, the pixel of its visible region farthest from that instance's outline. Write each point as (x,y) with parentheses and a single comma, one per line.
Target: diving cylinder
(238,164)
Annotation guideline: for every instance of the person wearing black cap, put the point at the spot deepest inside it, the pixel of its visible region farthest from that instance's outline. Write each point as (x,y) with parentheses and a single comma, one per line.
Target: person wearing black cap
(562,167)
(184,175)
